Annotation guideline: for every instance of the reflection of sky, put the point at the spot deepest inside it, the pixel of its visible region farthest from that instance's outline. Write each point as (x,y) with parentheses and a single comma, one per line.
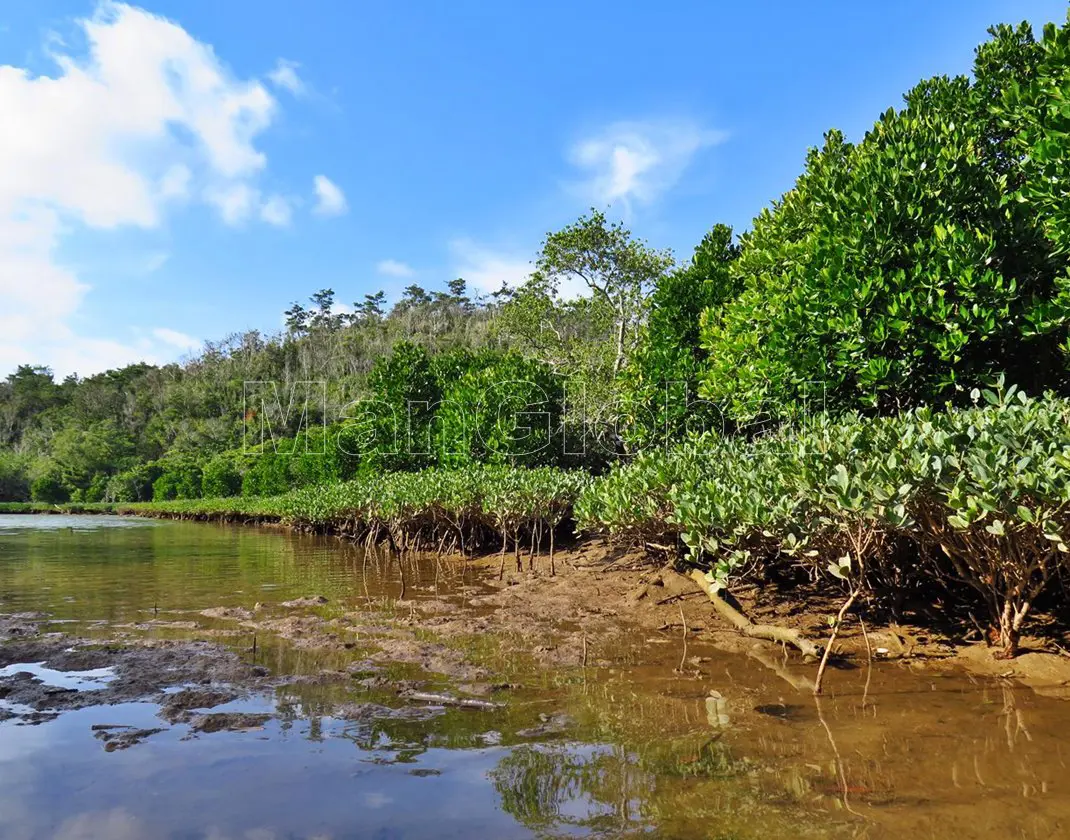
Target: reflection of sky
(78,680)
(59,782)
(58,522)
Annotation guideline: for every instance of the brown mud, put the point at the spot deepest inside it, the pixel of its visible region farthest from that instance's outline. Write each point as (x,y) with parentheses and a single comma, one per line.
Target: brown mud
(583,615)
(138,672)
(601,593)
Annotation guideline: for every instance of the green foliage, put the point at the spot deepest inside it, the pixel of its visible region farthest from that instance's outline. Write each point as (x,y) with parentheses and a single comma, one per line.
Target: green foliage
(617,269)
(1032,110)
(82,453)
(660,384)
(268,474)
(26,394)
(220,477)
(49,488)
(405,393)
(894,274)
(14,476)
(180,478)
(463,509)
(133,485)
(504,410)
(982,494)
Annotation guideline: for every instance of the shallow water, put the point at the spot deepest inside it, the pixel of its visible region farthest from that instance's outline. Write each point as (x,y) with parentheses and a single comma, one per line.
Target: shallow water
(649,752)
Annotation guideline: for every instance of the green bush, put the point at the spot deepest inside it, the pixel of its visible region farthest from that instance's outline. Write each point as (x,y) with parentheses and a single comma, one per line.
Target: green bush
(896,273)
(659,386)
(221,477)
(505,410)
(14,476)
(267,475)
(980,495)
(464,509)
(49,488)
(397,423)
(179,479)
(133,485)
(97,489)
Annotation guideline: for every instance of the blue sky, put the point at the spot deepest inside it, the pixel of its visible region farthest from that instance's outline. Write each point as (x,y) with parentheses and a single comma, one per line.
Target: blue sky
(181,170)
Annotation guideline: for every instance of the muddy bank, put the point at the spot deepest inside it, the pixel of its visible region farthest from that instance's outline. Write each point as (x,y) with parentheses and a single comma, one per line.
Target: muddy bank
(42,677)
(600,590)
(591,609)
(196,686)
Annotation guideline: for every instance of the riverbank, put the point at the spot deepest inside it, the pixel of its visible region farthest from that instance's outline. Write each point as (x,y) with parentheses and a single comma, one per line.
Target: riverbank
(602,595)
(600,591)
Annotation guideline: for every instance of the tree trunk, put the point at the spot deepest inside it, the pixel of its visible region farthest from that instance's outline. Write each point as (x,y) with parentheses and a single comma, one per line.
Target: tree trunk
(769,632)
(618,363)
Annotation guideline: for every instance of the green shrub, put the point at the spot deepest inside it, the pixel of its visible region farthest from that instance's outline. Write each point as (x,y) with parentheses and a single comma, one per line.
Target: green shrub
(49,488)
(982,495)
(179,479)
(266,475)
(505,410)
(659,386)
(464,509)
(14,476)
(133,485)
(896,273)
(97,489)
(221,477)
(396,424)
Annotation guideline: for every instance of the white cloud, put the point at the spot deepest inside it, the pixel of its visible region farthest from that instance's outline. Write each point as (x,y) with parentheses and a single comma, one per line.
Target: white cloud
(285,76)
(179,340)
(276,211)
(394,268)
(148,116)
(235,202)
(330,200)
(630,162)
(485,269)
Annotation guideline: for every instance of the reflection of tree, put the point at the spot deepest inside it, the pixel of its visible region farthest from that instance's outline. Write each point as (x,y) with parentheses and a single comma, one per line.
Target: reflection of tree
(534,781)
(544,786)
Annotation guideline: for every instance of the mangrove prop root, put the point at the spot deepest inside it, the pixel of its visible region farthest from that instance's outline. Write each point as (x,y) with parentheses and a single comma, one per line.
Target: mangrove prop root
(769,632)
(832,639)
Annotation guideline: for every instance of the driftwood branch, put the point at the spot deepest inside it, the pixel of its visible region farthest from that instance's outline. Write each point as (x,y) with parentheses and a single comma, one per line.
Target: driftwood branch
(449,700)
(744,625)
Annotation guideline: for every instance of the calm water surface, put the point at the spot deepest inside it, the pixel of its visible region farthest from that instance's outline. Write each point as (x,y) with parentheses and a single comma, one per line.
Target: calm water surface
(649,753)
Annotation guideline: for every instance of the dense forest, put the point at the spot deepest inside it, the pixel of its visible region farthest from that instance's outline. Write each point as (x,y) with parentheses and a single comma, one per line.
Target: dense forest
(863,353)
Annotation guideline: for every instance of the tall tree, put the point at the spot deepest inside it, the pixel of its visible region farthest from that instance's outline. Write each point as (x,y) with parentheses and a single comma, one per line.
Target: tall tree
(615,267)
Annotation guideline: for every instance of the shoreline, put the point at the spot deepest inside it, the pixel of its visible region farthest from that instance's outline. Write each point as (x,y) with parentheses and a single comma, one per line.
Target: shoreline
(605,589)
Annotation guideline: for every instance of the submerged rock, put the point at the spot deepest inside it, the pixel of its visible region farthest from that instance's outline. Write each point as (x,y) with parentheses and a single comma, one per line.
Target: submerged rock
(239,613)
(551,725)
(228,722)
(178,707)
(123,739)
(310,601)
(20,625)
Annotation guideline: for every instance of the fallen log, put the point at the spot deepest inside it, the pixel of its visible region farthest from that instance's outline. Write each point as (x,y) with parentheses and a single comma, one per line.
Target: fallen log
(769,632)
(450,700)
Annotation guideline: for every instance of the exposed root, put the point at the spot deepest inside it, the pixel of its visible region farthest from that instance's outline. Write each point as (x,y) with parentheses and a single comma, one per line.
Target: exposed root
(769,632)
(832,638)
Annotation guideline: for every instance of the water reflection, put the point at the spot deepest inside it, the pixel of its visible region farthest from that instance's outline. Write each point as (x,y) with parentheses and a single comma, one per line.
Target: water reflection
(741,750)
